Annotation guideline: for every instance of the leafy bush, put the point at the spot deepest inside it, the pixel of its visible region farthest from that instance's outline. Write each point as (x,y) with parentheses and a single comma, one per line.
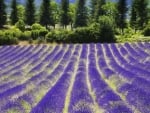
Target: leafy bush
(146,31)
(20,25)
(83,35)
(38,31)
(106,29)
(57,36)
(7,38)
(25,35)
(43,32)
(37,26)
(35,34)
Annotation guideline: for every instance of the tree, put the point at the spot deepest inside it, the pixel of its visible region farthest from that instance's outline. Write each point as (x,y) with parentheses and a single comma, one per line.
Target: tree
(81,16)
(30,12)
(99,11)
(14,12)
(71,14)
(110,11)
(64,19)
(134,15)
(93,8)
(142,11)
(21,12)
(121,16)
(55,12)
(46,14)
(3,15)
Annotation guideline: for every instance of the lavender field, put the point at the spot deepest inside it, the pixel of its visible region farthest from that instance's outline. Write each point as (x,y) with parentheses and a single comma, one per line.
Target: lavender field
(80,78)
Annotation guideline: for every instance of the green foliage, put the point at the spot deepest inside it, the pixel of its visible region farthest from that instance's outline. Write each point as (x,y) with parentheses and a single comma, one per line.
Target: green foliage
(106,29)
(139,14)
(20,25)
(121,16)
(46,14)
(37,26)
(35,34)
(8,37)
(20,12)
(14,12)
(64,18)
(84,35)
(38,31)
(134,15)
(99,11)
(142,11)
(79,35)
(3,15)
(55,12)
(30,12)
(58,36)
(25,35)
(146,31)
(81,15)
(93,8)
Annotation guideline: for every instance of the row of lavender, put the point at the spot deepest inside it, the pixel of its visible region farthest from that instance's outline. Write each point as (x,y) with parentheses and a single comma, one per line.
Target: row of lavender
(75,78)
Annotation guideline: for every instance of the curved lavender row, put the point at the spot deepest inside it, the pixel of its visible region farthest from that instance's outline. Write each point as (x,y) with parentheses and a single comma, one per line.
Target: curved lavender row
(16,67)
(17,57)
(140,50)
(34,79)
(132,68)
(141,54)
(31,55)
(7,51)
(130,97)
(81,100)
(140,73)
(132,51)
(116,67)
(137,97)
(134,61)
(11,54)
(146,45)
(54,100)
(105,97)
(16,60)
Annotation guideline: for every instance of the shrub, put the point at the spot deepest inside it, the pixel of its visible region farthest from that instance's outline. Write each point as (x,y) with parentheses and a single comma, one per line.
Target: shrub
(7,39)
(20,25)
(83,35)
(106,29)
(55,36)
(38,31)
(35,34)
(146,31)
(25,35)
(37,26)
(43,32)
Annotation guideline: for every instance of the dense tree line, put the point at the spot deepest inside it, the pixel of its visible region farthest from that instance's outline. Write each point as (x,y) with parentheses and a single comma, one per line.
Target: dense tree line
(79,14)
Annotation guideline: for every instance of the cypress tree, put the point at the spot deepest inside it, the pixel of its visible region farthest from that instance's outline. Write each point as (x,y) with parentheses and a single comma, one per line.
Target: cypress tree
(30,12)
(121,16)
(93,7)
(134,15)
(3,15)
(64,19)
(81,14)
(46,14)
(14,12)
(142,10)
(99,10)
